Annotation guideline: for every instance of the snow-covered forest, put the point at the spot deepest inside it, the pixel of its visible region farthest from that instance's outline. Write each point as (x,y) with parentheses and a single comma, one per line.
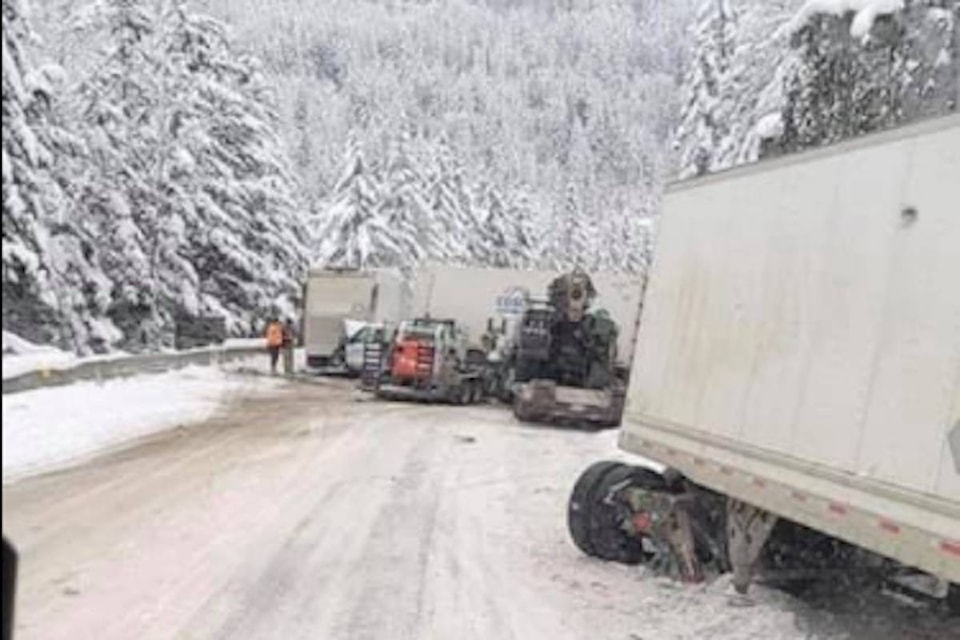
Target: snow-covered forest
(500,132)
(164,158)
(143,179)
(779,76)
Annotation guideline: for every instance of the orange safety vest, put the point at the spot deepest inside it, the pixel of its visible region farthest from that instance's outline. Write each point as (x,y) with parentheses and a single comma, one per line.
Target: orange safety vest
(274,334)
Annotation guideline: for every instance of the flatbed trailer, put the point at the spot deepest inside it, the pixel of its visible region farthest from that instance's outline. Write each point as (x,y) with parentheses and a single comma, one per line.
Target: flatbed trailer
(545,401)
(799,359)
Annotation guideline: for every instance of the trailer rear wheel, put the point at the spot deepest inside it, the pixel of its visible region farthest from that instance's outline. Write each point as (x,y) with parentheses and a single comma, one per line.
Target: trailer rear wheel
(596,523)
(580,505)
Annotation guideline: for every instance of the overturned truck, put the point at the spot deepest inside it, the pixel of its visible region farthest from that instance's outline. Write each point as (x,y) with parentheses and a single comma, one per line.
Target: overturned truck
(564,361)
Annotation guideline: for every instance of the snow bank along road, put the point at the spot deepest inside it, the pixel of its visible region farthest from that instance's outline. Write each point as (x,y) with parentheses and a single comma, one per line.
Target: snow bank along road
(49,428)
(303,512)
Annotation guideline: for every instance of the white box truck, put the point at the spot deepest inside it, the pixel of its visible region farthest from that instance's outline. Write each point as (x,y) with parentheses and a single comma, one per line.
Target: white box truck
(798,361)
(339,304)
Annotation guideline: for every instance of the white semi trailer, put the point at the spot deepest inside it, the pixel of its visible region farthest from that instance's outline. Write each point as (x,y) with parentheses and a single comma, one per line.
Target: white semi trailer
(474,295)
(798,362)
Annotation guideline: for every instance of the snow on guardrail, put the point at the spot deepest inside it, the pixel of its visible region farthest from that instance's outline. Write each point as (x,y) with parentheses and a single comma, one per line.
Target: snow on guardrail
(33,367)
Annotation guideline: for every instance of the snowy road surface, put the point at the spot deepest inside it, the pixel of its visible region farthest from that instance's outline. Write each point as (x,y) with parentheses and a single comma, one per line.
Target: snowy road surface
(305,513)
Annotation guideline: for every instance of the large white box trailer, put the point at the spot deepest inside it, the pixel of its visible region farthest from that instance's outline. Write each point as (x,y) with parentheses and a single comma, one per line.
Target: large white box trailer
(335,298)
(799,349)
(474,295)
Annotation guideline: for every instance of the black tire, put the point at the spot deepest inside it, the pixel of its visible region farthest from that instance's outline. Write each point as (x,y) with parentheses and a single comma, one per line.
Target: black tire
(595,525)
(579,507)
(610,540)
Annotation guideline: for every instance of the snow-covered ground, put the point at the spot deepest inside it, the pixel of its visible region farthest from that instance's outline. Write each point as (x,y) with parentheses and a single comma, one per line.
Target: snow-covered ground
(311,512)
(359,520)
(21,356)
(49,428)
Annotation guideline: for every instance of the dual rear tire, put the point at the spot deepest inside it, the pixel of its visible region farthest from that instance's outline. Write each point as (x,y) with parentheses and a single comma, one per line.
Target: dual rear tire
(596,518)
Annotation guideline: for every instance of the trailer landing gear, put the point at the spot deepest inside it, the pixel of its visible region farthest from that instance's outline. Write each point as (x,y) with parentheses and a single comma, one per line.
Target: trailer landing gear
(748,529)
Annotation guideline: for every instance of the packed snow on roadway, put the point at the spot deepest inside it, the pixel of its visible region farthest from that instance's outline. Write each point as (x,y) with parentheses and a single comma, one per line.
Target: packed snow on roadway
(473,506)
(541,585)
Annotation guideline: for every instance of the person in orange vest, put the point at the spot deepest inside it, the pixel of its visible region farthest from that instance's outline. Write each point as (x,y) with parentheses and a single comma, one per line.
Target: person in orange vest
(274,335)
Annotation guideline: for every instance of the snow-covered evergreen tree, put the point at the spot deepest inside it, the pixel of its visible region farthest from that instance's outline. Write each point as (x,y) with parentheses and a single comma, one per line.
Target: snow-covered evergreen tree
(244,233)
(860,67)
(406,215)
(116,106)
(734,90)
(495,246)
(303,150)
(580,209)
(404,203)
(449,203)
(171,195)
(571,245)
(355,230)
(706,109)
(524,241)
(52,292)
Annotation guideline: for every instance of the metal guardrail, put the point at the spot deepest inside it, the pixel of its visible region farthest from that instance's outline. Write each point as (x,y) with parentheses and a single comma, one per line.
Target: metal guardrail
(124,366)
